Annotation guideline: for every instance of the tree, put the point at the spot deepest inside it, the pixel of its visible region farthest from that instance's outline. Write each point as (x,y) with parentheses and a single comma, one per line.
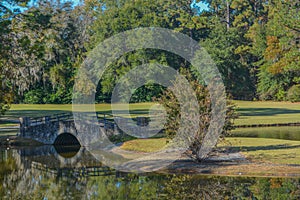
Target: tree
(278,44)
(226,41)
(46,46)
(125,15)
(8,10)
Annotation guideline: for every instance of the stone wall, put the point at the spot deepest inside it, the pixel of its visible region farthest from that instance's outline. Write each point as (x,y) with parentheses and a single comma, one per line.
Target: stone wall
(46,131)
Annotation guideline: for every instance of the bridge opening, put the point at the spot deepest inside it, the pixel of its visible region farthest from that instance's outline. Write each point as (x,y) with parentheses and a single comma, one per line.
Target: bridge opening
(66,145)
(66,139)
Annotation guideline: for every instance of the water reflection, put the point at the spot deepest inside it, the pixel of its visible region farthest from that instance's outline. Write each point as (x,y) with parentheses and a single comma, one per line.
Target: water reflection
(67,151)
(50,173)
(283,132)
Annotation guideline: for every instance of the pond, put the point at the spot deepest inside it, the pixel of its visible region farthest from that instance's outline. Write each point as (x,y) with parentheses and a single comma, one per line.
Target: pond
(281,132)
(47,172)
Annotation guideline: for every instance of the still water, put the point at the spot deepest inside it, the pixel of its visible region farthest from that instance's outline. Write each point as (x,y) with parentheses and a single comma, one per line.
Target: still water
(72,173)
(283,132)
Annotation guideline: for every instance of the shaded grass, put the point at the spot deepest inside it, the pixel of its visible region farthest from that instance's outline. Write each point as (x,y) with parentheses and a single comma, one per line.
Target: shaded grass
(266,150)
(251,112)
(39,110)
(267,112)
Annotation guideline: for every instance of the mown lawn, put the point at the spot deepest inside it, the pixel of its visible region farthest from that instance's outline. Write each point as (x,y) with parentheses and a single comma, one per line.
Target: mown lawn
(251,112)
(267,150)
(38,110)
(267,112)
(145,145)
(260,150)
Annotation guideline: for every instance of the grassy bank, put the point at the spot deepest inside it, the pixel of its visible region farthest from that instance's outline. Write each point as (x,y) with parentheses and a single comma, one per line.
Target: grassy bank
(260,150)
(251,112)
(267,112)
(267,150)
(39,110)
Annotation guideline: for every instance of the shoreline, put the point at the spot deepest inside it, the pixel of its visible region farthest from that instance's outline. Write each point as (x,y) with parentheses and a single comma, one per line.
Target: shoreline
(217,164)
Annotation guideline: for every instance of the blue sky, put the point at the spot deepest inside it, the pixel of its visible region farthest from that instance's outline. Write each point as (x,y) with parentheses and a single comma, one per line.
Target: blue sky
(200,4)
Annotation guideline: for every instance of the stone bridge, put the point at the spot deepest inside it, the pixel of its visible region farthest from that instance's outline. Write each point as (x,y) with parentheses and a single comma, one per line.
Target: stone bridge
(60,129)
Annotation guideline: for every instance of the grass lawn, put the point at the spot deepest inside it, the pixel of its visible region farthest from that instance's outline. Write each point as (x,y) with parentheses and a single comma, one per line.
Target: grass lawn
(251,112)
(256,149)
(35,110)
(267,150)
(145,145)
(267,112)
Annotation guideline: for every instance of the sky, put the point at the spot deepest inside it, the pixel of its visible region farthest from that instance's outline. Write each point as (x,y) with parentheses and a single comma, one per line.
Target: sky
(201,5)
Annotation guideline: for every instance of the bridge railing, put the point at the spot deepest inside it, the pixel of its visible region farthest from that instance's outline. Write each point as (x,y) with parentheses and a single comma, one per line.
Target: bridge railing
(105,120)
(46,119)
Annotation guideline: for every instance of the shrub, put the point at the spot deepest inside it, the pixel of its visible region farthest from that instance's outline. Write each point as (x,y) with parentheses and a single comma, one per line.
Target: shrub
(294,93)
(34,97)
(171,104)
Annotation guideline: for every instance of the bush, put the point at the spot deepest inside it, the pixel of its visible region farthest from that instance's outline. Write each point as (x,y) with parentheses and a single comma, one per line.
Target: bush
(294,93)
(171,104)
(34,96)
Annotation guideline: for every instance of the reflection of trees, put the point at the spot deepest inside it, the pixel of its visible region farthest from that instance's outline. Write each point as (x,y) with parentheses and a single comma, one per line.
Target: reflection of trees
(127,187)
(7,165)
(28,184)
(276,188)
(21,183)
(208,187)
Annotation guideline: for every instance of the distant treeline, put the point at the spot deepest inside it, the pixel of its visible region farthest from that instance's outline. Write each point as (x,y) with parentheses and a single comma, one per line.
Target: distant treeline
(255,45)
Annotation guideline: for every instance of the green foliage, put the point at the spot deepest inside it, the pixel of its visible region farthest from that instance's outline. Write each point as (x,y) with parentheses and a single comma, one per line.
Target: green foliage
(293,93)
(34,97)
(277,42)
(255,45)
(42,47)
(125,15)
(173,109)
(224,47)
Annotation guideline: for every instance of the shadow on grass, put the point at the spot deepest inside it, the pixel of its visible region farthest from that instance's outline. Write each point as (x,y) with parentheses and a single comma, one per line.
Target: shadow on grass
(16,114)
(265,148)
(266,111)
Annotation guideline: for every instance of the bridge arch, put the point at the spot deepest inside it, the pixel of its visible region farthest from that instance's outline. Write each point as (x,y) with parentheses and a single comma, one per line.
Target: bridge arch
(66,139)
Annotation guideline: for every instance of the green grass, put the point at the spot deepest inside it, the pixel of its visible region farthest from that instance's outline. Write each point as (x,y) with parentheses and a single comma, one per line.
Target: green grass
(35,110)
(267,150)
(12,116)
(144,145)
(267,112)
(251,112)
(256,149)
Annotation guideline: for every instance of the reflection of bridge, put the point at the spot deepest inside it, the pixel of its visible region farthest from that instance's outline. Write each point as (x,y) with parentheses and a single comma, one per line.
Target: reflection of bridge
(60,163)
(60,129)
(76,172)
